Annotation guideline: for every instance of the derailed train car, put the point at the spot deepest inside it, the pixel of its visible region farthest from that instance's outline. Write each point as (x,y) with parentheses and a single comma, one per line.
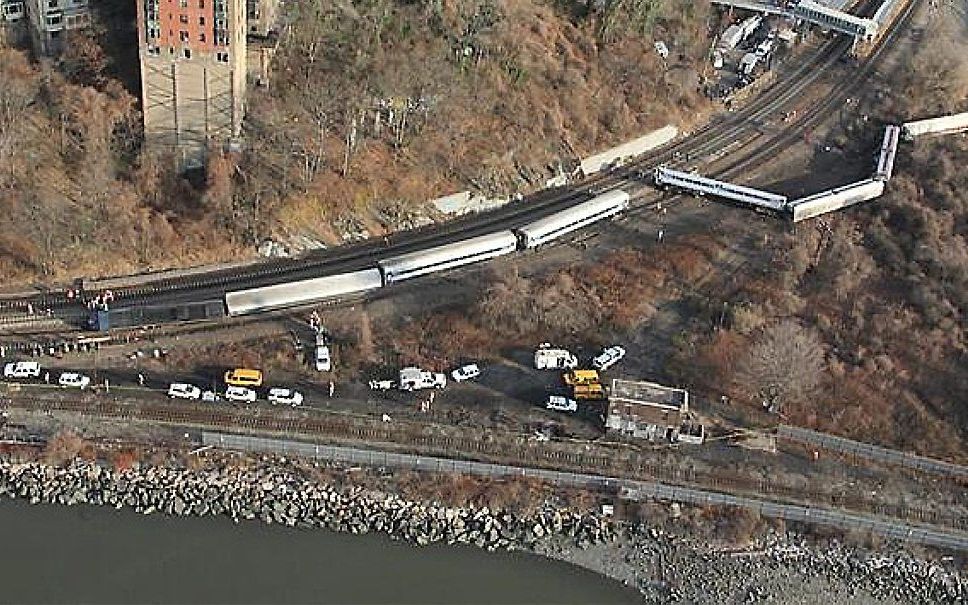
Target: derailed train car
(702,186)
(302,292)
(129,317)
(402,267)
(448,256)
(834,199)
(565,221)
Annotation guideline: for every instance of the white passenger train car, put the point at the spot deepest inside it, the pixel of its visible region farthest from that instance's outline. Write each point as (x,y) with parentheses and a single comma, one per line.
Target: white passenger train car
(698,185)
(302,292)
(560,223)
(835,199)
(943,125)
(440,258)
(885,163)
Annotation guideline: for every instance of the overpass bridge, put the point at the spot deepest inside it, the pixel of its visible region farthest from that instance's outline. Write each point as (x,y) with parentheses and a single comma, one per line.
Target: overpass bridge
(827,17)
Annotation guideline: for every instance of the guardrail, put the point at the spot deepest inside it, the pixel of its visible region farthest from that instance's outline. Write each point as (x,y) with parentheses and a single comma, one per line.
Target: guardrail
(870,452)
(628,488)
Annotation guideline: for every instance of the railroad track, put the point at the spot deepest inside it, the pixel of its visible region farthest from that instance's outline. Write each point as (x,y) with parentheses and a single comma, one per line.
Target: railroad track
(738,130)
(495,448)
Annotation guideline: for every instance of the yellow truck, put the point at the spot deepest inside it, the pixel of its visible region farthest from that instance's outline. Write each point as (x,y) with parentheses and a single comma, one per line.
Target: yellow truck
(580,377)
(593,391)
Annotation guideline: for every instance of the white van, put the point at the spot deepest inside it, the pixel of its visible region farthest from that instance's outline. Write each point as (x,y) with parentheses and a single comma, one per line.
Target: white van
(21,369)
(412,379)
(549,358)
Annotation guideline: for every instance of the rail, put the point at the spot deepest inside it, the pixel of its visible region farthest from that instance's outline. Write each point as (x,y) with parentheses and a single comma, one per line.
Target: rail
(502,448)
(628,488)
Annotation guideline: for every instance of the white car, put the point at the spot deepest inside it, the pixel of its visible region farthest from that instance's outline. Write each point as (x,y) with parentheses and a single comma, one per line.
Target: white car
(180,390)
(240,394)
(561,404)
(211,396)
(466,372)
(608,358)
(323,361)
(21,369)
(285,396)
(72,379)
(382,385)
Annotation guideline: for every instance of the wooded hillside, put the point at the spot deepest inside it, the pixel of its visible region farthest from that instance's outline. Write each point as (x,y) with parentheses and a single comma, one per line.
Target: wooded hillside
(373,107)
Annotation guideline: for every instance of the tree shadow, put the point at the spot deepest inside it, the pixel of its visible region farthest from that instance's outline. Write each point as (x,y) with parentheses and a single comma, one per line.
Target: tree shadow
(116,32)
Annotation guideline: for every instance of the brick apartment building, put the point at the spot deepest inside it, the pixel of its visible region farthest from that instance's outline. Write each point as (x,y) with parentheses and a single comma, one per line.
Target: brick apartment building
(193,74)
(46,21)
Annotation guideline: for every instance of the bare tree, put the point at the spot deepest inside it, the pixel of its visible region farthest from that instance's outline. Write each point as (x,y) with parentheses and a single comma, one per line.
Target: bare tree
(785,365)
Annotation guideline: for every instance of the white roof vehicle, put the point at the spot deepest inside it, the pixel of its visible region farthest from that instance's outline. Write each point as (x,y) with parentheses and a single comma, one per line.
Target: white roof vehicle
(180,390)
(412,378)
(72,379)
(323,361)
(561,404)
(548,358)
(382,385)
(609,357)
(467,372)
(285,396)
(21,369)
(240,394)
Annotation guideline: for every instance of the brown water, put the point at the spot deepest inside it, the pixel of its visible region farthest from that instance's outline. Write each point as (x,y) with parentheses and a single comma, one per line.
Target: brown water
(88,554)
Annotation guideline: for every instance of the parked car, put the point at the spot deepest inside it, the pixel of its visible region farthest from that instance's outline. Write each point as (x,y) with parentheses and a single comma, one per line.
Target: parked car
(466,372)
(324,363)
(382,385)
(561,404)
(211,396)
(73,379)
(285,396)
(240,394)
(21,369)
(609,357)
(180,390)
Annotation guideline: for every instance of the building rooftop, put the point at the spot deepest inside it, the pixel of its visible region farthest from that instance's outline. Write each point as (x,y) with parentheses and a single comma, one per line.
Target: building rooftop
(649,393)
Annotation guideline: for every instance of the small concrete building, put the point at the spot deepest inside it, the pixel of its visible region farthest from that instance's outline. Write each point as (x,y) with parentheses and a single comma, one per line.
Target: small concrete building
(646,410)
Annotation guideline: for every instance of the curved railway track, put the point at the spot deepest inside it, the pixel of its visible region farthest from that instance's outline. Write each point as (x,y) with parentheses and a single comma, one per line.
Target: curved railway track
(738,127)
(740,130)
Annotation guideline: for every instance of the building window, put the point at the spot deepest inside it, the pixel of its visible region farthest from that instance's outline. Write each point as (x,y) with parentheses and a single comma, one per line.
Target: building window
(201,37)
(222,57)
(187,53)
(183,19)
(201,4)
(183,3)
(51,3)
(201,20)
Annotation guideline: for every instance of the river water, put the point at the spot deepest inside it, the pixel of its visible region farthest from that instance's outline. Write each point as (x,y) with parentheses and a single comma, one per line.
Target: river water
(86,554)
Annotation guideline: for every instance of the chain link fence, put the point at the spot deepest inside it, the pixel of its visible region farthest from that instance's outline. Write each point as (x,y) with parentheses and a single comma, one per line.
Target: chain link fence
(870,452)
(628,488)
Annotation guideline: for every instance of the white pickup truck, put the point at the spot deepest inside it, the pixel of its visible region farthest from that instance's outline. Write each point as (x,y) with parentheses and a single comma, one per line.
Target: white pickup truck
(412,379)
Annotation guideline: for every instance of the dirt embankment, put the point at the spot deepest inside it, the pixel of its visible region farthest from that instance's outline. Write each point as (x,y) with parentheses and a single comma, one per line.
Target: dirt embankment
(371,110)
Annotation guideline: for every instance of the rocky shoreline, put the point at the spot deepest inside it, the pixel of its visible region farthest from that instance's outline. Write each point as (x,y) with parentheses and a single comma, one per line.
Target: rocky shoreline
(662,566)
(279,496)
